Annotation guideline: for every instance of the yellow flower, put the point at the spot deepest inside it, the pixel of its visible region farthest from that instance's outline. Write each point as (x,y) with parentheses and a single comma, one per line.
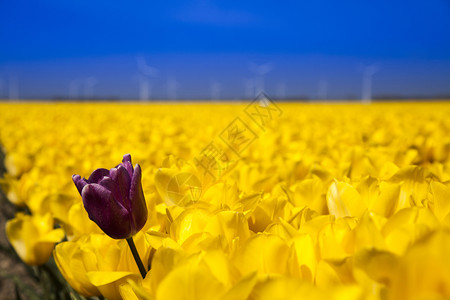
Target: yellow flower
(69,259)
(195,229)
(263,253)
(279,288)
(17,190)
(193,279)
(424,271)
(96,263)
(406,227)
(18,163)
(327,202)
(203,275)
(33,237)
(345,201)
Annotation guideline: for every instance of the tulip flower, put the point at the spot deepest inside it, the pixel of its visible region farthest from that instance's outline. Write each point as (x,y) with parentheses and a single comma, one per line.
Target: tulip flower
(114,200)
(33,237)
(97,265)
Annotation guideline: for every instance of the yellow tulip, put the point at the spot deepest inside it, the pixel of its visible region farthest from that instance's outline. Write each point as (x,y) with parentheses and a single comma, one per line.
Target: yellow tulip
(33,237)
(311,193)
(439,202)
(189,224)
(136,290)
(344,201)
(268,210)
(195,225)
(414,187)
(335,240)
(203,275)
(264,253)
(69,259)
(12,189)
(367,233)
(279,288)
(424,271)
(378,265)
(18,163)
(193,280)
(98,264)
(303,258)
(407,226)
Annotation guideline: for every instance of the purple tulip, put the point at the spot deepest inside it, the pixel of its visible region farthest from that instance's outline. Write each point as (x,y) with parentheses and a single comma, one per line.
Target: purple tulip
(114,199)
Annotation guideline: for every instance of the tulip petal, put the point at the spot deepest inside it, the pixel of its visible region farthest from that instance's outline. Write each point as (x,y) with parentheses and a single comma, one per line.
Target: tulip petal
(97,175)
(33,237)
(110,215)
(67,258)
(126,162)
(79,182)
(107,183)
(243,288)
(137,200)
(265,253)
(99,278)
(121,187)
(191,282)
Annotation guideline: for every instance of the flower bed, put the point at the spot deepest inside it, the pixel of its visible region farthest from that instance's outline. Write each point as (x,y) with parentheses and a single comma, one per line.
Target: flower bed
(259,201)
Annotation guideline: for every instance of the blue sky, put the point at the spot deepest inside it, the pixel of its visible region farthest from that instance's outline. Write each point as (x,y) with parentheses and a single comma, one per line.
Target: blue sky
(223,49)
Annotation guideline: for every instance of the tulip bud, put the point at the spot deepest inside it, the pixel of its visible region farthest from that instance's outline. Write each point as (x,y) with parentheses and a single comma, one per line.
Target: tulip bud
(114,199)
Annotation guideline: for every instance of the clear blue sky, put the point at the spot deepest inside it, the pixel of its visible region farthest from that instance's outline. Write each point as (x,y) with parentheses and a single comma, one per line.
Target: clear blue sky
(204,49)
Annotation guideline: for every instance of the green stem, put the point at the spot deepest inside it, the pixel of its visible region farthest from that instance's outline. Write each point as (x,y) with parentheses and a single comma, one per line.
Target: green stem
(136,257)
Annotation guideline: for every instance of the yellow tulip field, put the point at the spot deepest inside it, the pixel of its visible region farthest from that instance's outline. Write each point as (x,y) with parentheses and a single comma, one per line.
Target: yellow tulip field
(251,200)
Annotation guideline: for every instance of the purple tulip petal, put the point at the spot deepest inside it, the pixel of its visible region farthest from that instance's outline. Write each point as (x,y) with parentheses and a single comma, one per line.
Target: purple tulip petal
(137,200)
(121,188)
(126,162)
(106,212)
(107,183)
(98,175)
(79,182)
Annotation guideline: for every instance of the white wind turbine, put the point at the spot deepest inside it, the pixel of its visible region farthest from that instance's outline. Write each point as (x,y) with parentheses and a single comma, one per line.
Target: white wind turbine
(89,84)
(216,89)
(322,92)
(145,72)
(366,93)
(13,87)
(1,87)
(172,87)
(281,90)
(74,85)
(260,71)
(249,84)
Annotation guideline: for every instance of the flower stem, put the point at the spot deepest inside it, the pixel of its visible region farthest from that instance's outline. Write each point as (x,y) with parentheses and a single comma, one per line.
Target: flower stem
(136,257)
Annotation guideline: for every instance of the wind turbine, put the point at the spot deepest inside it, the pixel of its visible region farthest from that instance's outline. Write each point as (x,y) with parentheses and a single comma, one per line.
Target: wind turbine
(145,72)
(281,90)
(89,84)
(366,93)
(73,89)
(260,71)
(1,87)
(13,87)
(322,89)
(172,86)
(216,88)
(249,84)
